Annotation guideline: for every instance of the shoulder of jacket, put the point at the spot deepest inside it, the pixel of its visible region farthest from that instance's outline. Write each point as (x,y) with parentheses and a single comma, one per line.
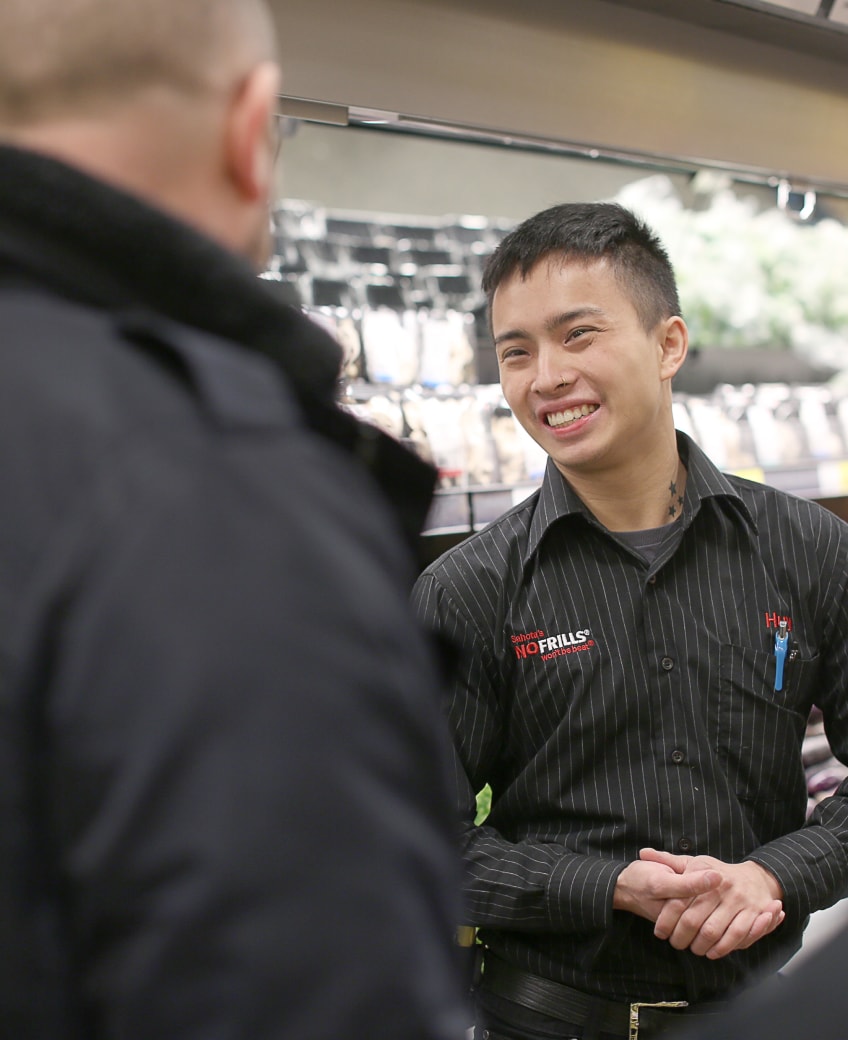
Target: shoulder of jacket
(235,385)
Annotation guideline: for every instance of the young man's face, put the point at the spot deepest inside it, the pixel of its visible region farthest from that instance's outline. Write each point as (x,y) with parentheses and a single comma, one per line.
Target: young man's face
(578,369)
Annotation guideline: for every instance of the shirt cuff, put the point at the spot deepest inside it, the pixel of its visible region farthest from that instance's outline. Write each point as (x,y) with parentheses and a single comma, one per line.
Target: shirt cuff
(810,867)
(580,893)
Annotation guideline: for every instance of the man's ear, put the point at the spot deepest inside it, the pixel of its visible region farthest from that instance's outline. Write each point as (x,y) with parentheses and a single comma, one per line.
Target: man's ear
(674,344)
(250,134)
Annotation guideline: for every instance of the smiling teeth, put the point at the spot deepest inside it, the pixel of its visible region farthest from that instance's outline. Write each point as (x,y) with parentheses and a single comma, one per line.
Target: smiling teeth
(570,415)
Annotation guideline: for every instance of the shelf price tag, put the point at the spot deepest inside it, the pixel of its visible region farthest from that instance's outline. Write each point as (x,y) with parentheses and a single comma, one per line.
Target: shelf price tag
(756,473)
(833,477)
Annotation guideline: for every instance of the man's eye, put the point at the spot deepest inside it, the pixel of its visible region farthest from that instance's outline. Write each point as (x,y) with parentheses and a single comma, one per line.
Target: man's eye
(509,353)
(577,333)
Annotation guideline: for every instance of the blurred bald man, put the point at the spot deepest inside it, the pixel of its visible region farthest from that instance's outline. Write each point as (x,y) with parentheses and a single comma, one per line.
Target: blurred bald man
(223,808)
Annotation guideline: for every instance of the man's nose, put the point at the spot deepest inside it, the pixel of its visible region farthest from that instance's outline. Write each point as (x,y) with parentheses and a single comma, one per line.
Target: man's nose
(553,371)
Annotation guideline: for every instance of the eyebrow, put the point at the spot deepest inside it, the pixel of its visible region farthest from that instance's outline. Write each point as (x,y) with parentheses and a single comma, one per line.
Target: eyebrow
(552,323)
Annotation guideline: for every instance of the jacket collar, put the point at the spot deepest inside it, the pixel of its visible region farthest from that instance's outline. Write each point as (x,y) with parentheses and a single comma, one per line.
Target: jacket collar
(66,232)
(93,243)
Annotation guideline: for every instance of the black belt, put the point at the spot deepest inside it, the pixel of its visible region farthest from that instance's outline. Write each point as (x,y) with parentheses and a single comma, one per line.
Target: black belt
(559,1001)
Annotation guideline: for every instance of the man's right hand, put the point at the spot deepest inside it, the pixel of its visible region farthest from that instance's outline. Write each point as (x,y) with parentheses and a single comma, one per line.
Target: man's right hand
(643,887)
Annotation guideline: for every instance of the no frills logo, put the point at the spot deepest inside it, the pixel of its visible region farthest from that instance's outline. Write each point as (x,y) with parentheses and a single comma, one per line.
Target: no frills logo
(537,644)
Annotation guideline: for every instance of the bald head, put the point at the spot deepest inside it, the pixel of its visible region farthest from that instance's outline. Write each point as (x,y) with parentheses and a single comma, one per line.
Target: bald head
(60,56)
(170,100)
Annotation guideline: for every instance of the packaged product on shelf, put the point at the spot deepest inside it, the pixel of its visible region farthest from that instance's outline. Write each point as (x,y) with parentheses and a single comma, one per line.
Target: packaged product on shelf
(795,444)
(682,418)
(508,448)
(380,409)
(739,440)
(348,336)
(721,428)
(817,414)
(342,328)
(390,346)
(841,410)
(776,439)
(520,459)
(481,461)
(709,423)
(415,431)
(446,352)
(442,422)
(535,457)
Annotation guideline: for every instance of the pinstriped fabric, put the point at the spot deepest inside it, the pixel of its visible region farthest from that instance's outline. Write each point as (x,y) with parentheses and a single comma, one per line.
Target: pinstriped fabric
(613,704)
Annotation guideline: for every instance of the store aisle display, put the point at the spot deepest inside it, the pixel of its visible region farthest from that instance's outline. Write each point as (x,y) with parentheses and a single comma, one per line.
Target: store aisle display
(401,294)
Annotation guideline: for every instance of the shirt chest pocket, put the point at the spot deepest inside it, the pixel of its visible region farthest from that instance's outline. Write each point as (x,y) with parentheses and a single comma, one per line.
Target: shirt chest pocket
(757,730)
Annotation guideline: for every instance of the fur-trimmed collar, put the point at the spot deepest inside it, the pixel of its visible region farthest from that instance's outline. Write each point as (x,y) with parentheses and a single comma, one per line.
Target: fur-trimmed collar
(94,243)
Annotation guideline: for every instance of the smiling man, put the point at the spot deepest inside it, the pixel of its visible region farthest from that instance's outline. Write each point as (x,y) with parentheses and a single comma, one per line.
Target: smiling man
(586,369)
(639,645)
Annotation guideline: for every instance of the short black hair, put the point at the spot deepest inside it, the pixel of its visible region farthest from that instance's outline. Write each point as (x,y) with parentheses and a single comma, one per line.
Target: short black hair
(589,231)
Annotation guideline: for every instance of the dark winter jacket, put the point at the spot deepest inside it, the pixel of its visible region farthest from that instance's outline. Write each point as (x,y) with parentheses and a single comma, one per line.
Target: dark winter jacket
(222,799)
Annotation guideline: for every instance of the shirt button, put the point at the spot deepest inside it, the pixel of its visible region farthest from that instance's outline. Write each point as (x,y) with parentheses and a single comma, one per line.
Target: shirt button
(685,845)
(652,580)
(667,663)
(677,757)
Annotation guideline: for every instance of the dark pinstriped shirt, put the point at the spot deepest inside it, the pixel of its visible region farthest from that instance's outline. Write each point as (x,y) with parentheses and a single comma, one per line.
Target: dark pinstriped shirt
(613,704)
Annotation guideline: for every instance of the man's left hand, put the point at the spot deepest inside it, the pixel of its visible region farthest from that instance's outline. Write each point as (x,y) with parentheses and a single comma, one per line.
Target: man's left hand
(744,908)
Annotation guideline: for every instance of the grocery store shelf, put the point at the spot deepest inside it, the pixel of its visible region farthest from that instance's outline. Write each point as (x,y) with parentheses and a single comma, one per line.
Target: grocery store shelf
(817,480)
(459,511)
(462,510)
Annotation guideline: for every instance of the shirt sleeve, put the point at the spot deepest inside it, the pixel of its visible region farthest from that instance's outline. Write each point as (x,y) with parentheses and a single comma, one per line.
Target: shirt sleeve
(522,885)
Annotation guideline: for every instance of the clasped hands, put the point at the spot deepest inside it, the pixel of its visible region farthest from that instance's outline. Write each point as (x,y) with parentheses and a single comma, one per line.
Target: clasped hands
(700,903)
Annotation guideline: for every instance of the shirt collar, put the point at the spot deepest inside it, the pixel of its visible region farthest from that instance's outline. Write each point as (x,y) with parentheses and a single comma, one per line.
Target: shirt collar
(705,481)
(557,499)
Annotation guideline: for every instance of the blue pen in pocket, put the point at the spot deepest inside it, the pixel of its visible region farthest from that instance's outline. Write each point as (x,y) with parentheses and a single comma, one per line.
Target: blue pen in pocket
(781,643)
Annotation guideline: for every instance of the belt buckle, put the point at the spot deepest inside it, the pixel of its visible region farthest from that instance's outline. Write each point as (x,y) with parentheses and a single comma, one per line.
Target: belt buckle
(637,1006)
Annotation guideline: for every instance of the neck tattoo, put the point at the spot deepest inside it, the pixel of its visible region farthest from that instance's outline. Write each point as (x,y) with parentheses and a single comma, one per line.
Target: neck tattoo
(675,490)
